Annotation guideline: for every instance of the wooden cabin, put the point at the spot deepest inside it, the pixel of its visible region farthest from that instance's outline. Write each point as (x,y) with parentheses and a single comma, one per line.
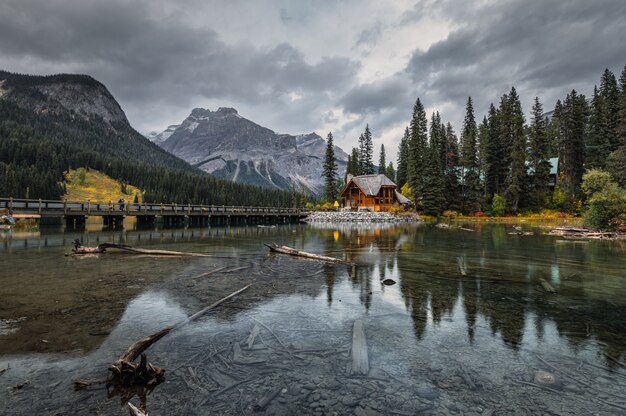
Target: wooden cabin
(372,193)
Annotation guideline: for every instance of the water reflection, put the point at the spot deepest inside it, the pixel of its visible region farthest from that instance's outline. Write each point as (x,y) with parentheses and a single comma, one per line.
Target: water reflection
(467,317)
(502,285)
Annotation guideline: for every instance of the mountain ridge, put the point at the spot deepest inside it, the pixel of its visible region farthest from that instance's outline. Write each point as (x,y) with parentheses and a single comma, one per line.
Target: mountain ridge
(82,95)
(51,124)
(230,146)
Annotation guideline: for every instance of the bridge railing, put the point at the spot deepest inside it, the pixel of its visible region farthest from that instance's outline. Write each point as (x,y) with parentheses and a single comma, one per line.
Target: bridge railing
(88,207)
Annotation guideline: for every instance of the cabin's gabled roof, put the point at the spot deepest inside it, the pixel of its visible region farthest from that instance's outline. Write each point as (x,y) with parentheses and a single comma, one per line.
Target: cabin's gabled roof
(371,184)
(401,198)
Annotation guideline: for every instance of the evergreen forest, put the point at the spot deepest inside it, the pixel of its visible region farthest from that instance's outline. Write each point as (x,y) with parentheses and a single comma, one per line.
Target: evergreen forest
(36,148)
(502,162)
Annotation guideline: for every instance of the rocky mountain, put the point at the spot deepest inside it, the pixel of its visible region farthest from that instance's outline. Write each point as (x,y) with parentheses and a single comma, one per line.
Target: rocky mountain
(230,146)
(80,95)
(158,138)
(51,124)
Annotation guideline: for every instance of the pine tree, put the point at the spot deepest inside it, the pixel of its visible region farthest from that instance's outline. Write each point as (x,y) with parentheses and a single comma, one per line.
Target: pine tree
(609,92)
(515,191)
(417,147)
(597,141)
(366,152)
(348,168)
(361,155)
(391,172)
(437,139)
(621,124)
(302,202)
(505,114)
(329,169)
(353,163)
(382,163)
(493,155)
(403,156)
(471,181)
(433,199)
(483,140)
(452,187)
(294,197)
(572,117)
(539,156)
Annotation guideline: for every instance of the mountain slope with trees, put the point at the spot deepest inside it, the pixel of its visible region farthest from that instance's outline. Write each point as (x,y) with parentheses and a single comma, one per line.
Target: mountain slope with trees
(49,125)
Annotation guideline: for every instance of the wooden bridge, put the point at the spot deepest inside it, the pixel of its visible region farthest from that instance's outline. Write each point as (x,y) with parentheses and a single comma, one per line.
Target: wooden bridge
(75,213)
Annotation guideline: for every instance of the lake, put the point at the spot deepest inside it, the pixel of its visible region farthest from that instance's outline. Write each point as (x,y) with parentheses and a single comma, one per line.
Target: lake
(467,328)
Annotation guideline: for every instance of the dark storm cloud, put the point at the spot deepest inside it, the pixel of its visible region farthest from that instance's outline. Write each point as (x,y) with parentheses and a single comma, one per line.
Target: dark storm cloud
(146,61)
(158,62)
(543,48)
(377,96)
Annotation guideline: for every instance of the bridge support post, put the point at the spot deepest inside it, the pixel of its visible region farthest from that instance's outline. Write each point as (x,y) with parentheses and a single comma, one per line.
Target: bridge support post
(75,221)
(113,221)
(145,219)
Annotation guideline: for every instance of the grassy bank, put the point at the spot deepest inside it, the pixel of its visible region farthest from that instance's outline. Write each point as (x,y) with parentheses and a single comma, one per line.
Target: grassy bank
(544,216)
(82,185)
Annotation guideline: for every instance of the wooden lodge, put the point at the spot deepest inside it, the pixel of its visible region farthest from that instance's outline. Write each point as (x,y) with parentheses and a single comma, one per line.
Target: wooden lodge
(372,193)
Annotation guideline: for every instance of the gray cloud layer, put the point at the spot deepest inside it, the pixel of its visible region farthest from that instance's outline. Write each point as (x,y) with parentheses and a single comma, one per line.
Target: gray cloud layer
(160,62)
(544,48)
(164,63)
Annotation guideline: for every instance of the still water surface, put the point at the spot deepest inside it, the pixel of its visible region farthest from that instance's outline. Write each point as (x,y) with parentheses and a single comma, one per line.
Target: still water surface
(465,329)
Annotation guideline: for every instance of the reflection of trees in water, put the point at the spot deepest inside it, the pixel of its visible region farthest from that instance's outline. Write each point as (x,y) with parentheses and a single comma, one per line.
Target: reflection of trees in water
(330,282)
(371,248)
(503,286)
(502,283)
(471,301)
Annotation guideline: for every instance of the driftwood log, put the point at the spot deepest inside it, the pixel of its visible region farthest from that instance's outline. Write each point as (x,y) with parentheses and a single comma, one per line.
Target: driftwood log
(577,232)
(126,373)
(547,286)
(101,248)
(360,358)
(135,411)
(293,252)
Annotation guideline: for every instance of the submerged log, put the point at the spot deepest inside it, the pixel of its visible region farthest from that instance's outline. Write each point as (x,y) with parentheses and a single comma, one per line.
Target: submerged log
(360,359)
(126,373)
(547,286)
(146,251)
(101,248)
(293,252)
(239,358)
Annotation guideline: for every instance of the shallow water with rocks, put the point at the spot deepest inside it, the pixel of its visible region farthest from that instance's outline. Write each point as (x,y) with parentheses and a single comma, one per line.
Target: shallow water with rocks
(466,327)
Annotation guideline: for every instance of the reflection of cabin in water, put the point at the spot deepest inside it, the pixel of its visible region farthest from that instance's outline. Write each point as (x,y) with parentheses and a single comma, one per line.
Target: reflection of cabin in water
(372,193)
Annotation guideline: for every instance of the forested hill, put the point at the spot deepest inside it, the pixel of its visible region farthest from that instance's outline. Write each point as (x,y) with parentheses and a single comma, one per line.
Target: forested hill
(51,124)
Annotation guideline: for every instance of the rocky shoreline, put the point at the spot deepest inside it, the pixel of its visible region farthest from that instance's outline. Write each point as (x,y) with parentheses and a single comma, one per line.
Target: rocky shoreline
(360,216)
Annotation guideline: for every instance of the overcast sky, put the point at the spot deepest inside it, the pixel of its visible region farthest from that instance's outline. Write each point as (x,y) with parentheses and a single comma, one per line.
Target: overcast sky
(318,65)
